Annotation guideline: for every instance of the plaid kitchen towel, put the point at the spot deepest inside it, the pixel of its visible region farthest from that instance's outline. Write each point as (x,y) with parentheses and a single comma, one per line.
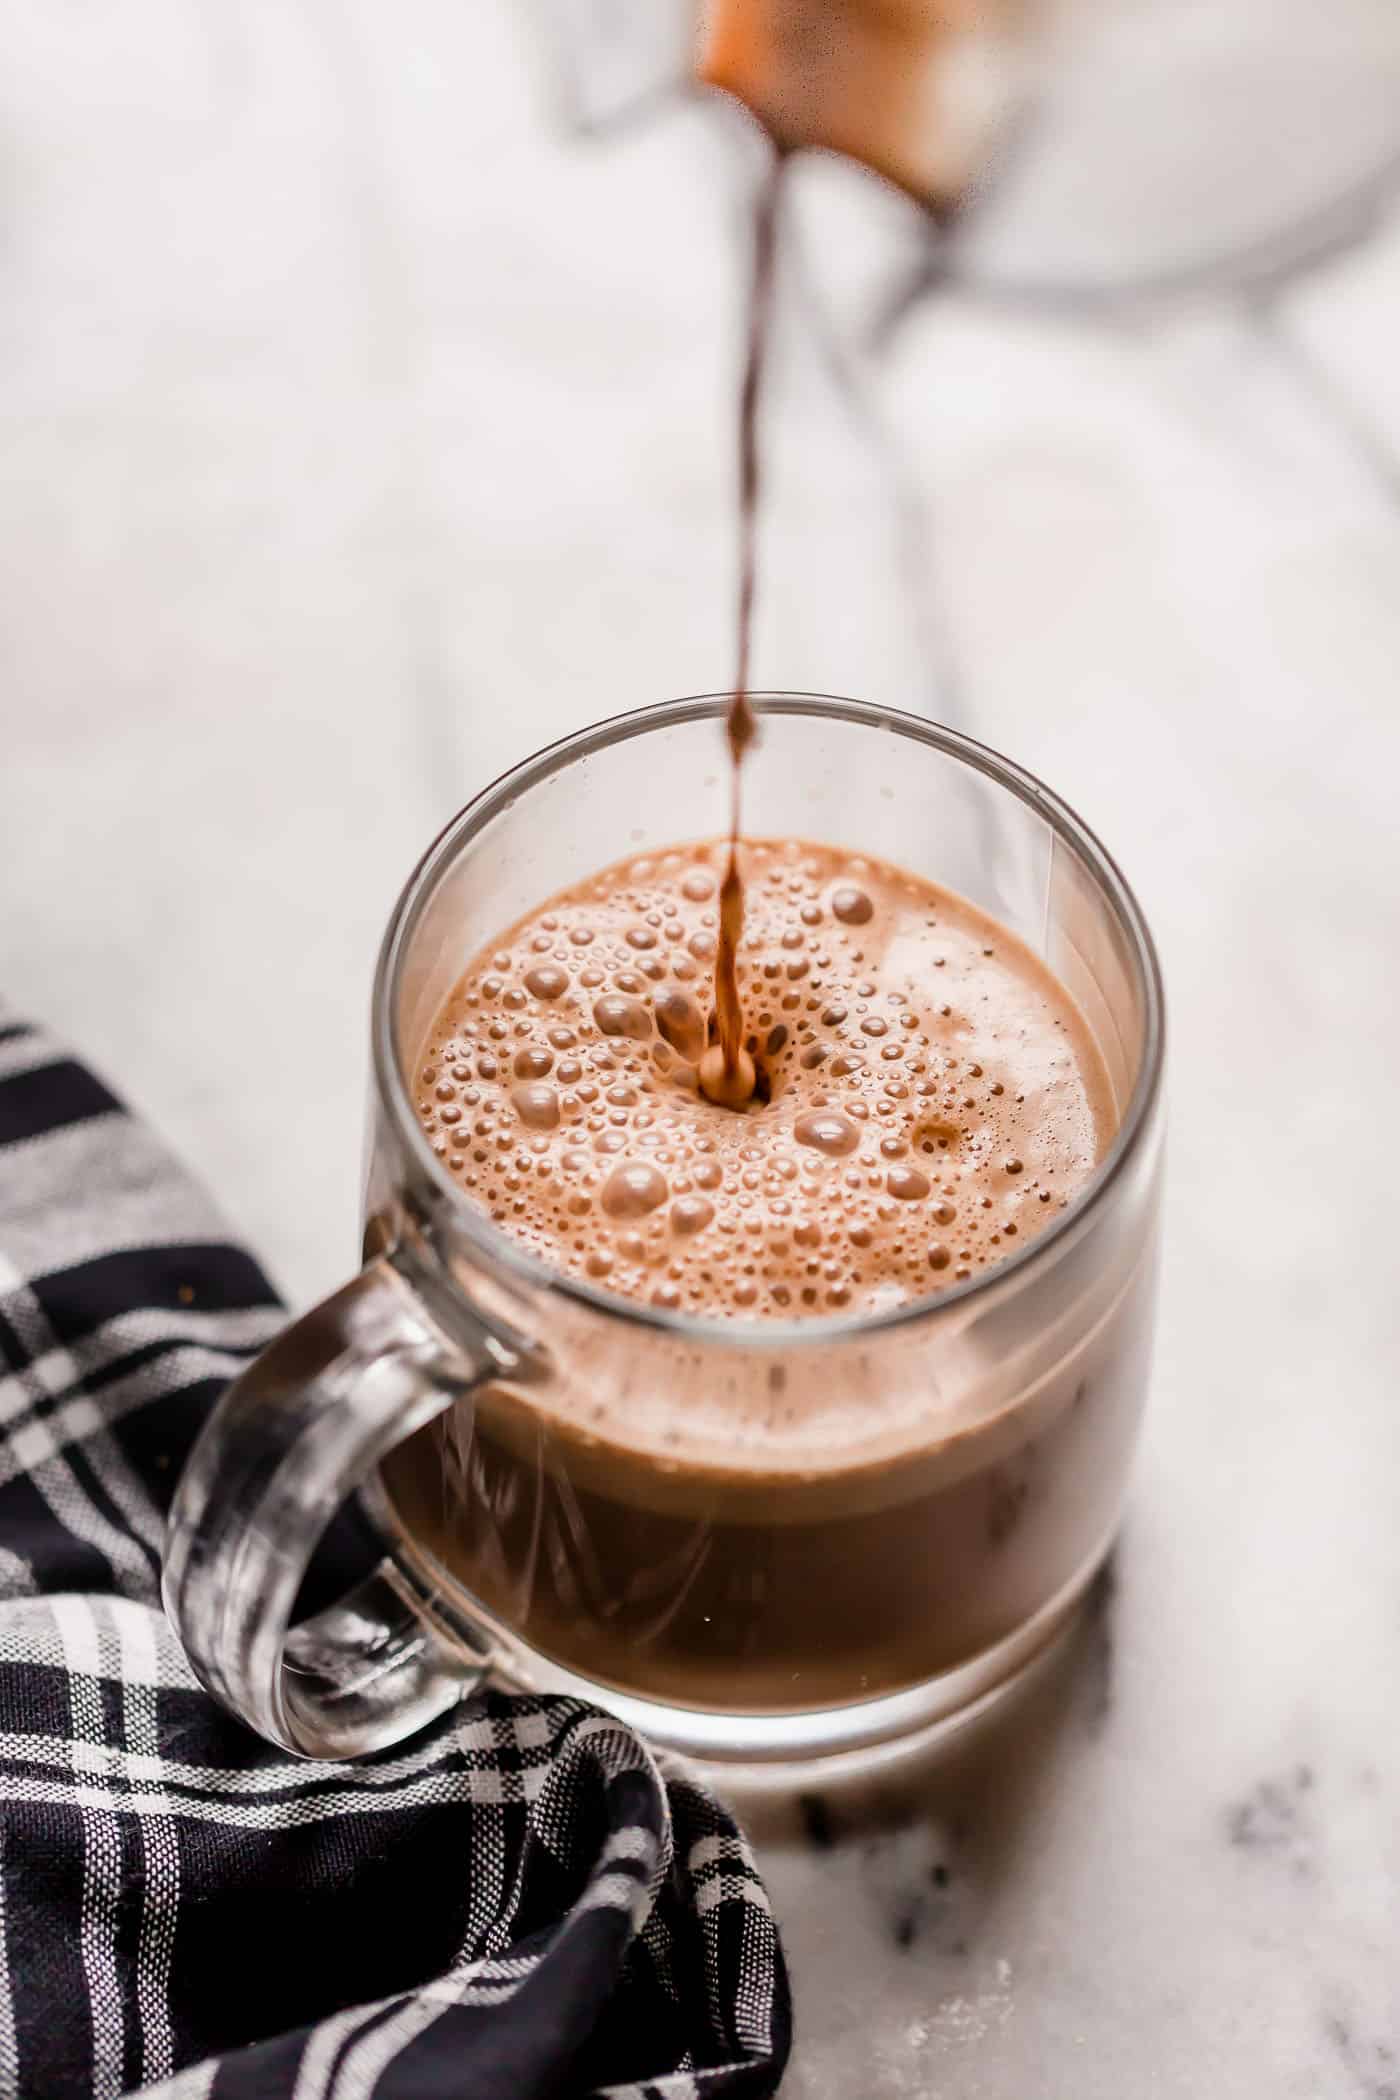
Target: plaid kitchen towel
(519,1903)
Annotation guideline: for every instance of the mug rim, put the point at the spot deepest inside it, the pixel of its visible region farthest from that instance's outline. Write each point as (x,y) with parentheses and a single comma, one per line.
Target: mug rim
(502,1254)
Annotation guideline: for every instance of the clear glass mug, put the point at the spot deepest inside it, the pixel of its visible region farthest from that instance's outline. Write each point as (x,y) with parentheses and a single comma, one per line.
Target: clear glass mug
(957,1465)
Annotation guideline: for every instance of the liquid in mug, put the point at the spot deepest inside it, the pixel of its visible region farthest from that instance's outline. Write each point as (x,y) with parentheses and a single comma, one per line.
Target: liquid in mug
(927,1100)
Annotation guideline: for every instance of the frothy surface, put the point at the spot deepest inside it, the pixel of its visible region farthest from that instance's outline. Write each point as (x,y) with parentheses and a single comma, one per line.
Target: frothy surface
(929,1096)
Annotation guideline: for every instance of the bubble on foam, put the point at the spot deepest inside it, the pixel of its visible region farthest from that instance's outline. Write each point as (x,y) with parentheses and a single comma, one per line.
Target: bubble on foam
(691,1213)
(907,1183)
(547,981)
(682,1024)
(851,905)
(633,1189)
(618,1014)
(828,1131)
(536,1104)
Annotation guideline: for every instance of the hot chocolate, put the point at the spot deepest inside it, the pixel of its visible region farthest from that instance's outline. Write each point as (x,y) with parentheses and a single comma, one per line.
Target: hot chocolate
(926,1096)
(829,1519)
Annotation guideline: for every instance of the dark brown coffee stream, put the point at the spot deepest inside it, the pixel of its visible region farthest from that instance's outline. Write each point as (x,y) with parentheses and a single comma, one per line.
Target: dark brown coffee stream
(729,1077)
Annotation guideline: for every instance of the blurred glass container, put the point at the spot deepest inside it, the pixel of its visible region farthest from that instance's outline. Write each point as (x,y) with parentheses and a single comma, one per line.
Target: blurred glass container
(919,90)
(1158,145)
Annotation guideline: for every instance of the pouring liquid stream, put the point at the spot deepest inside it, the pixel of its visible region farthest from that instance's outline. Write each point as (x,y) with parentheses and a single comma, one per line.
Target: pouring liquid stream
(727,1073)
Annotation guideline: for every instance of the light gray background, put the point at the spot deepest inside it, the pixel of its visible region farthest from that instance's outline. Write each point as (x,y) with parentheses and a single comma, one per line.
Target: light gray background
(359,431)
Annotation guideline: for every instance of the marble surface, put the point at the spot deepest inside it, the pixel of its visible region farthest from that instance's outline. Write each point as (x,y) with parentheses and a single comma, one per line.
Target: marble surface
(361,431)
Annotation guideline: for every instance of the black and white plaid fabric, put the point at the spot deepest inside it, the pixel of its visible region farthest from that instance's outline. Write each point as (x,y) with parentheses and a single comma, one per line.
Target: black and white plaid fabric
(519,1903)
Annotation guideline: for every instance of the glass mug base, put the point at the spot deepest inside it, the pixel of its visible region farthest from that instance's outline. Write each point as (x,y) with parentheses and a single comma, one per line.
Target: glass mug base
(782,1750)
(1002,1407)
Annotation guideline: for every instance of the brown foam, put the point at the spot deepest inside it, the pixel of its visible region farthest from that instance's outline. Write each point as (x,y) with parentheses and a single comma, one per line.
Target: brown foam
(929,1096)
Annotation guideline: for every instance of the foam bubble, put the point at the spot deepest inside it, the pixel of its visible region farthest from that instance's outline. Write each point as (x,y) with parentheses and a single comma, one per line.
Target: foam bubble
(827,1131)
(536,1104)
(547,981)
(633,1189)
(616,1014)
(851,906)
(681,1022)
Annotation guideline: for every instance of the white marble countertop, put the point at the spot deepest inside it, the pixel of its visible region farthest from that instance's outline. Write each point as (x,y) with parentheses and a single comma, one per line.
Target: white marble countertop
(360,433)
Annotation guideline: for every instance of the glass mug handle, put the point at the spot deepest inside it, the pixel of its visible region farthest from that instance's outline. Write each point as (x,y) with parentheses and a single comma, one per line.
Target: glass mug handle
(290,1442)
